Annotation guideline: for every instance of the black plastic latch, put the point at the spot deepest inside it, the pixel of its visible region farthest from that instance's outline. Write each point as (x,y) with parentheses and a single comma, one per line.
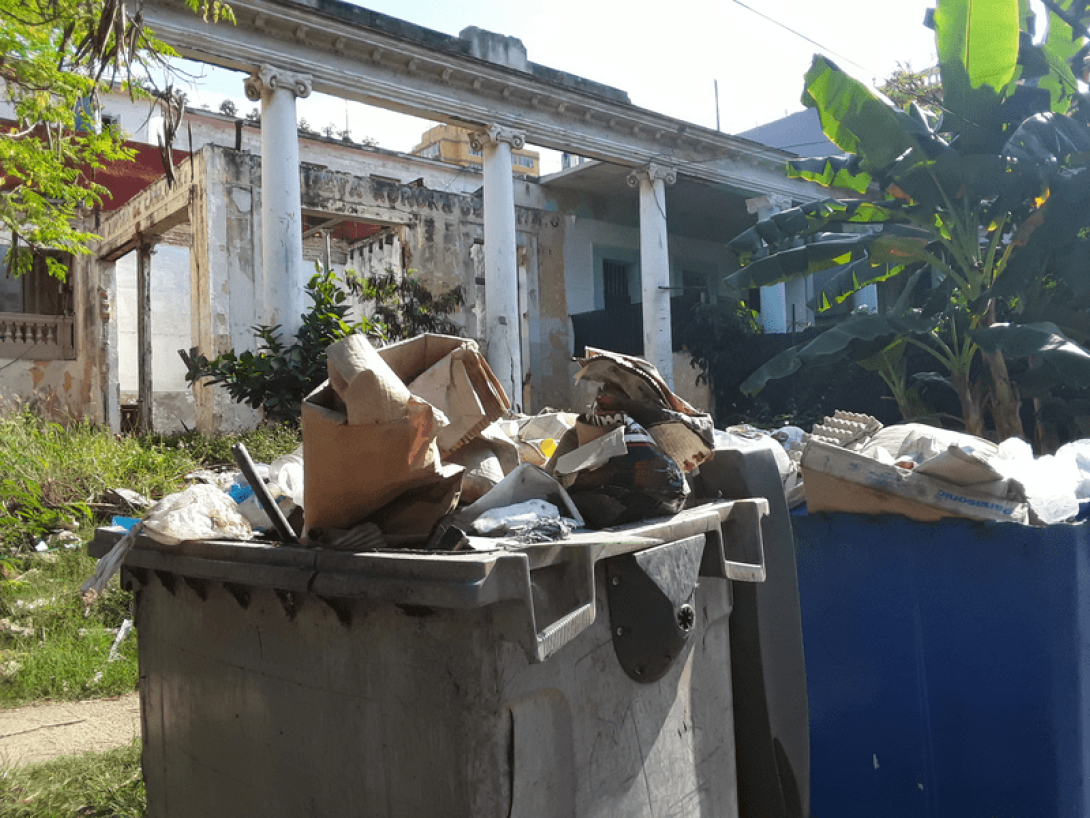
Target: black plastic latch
(651,614)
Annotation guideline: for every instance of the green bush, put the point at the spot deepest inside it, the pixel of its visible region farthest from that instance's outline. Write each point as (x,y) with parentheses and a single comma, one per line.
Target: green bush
(279,375)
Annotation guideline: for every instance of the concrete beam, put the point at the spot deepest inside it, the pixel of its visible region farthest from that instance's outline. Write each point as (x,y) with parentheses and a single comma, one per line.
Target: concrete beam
(154,211)
(354,53)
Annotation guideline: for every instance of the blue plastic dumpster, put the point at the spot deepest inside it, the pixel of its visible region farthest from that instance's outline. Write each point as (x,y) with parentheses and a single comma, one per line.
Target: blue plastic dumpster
(947,666)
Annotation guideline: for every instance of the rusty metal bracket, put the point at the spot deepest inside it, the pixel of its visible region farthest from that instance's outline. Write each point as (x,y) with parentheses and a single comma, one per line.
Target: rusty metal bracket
(651,613)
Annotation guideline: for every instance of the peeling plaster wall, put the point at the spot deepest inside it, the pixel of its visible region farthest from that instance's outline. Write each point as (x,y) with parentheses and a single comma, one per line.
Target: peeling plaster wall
(223,291)
(234,293)
(547,333)
(433,230)
(68,389)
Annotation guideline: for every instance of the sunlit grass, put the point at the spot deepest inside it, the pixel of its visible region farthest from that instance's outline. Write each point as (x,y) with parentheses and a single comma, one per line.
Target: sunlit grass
(52,481)
(89,785)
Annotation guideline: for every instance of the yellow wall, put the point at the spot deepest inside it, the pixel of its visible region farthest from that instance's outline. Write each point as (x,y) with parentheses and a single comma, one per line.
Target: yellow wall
(451,144)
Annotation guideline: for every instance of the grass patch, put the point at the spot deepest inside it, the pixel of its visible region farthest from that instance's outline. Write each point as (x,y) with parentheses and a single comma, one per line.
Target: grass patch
(49,646)
(90,785)
(52,481)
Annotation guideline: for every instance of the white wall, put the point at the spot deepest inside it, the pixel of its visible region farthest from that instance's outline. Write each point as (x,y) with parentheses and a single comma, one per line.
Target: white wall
(170,319)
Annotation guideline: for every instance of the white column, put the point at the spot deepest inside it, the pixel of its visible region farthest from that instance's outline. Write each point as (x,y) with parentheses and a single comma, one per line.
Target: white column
(502,318)
(774,309)
(655,266)
(281,211)
(109,367)
(866,299)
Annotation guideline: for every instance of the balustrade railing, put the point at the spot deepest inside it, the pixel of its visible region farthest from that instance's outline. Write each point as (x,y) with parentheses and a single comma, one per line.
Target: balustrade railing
(37,337)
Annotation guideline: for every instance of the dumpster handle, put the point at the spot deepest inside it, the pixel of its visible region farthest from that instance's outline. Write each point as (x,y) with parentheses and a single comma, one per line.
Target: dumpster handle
(540,644)
(736,549)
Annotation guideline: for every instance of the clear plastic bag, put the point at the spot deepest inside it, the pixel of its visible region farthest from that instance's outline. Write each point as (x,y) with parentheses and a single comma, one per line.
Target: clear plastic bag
(201,512)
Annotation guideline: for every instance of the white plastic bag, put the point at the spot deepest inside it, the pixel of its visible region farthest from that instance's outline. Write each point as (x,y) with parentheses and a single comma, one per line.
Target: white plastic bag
(201,512)
(287,473)
(1050,481)
(498,521)
(1077,452)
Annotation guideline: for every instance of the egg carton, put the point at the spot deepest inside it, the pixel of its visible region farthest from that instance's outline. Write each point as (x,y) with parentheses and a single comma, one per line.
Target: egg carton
(844,429)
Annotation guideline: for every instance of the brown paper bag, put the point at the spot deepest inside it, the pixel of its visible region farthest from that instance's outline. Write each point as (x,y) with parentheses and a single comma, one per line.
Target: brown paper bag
(367,441)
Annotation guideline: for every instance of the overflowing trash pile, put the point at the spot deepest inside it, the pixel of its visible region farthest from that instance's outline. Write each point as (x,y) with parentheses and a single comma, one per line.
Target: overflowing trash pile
(414,446)
(852,463)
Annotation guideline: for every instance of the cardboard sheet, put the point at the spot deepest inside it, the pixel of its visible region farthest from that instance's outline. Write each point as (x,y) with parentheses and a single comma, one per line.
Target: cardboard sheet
(451,374)
(367,441)
(835,479)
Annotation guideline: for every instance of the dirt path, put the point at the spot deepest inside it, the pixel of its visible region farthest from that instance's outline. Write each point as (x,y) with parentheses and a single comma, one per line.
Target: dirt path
(40,732)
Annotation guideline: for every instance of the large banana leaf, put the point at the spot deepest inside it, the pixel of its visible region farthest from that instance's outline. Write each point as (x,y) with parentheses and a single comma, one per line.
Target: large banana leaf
(977,46)
(856,338)
(952,175)
(781,229)
(854,277)
(1058,51)
(1049,138)
(1044,341)
(860,121)
(831,171)
(798,262)
(831,250)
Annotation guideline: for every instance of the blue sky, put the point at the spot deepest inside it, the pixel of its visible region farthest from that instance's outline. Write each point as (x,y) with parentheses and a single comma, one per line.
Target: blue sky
(667,56)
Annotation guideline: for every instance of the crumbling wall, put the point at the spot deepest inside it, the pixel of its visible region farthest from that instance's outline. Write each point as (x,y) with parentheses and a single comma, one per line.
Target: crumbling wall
(67,389)
(438,233)
(173,406)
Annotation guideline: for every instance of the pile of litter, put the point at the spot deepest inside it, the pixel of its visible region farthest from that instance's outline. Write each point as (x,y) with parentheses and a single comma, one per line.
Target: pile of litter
(414,446)
(852,463)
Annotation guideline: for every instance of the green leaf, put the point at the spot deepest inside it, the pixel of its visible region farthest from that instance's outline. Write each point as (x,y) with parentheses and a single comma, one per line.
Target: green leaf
(856,338)
(1057,52)
(982,37)
(850,280)
(977,45)
(831,171)
(797,262)
(1068,361)
(858,120)
(784,227)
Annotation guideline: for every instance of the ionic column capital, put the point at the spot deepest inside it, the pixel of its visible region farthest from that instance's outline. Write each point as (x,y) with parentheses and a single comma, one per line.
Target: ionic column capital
(268,78)
(652,173)
(495,135)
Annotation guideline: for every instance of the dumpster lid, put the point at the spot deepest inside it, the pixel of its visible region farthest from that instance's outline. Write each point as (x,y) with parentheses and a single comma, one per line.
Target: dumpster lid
(459,580)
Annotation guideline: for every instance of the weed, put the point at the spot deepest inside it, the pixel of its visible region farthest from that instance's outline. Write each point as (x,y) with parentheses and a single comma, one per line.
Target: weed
(283,371)
(50,648)
(53,479)
(96,785)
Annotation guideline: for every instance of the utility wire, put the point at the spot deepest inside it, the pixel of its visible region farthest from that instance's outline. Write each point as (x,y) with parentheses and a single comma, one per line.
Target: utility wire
(803,36)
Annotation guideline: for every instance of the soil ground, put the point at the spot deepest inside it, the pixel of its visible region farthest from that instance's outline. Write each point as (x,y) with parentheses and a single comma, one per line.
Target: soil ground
(40,732)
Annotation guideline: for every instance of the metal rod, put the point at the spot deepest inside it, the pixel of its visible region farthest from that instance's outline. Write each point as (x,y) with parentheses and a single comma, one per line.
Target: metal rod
(246,464)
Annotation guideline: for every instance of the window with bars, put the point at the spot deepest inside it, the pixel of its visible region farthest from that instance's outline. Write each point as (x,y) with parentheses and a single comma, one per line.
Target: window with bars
(615,284)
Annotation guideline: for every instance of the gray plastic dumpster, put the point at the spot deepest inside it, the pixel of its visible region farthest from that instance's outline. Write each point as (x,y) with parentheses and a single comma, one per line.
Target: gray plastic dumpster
(588,677)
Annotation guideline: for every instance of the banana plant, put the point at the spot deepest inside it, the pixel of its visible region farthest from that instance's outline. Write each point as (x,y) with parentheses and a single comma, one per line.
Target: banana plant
(992,198)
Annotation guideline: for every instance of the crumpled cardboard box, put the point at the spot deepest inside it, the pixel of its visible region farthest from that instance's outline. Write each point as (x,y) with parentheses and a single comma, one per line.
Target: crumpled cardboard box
(368,443)
(451,374)
(633,386)
(835,479)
